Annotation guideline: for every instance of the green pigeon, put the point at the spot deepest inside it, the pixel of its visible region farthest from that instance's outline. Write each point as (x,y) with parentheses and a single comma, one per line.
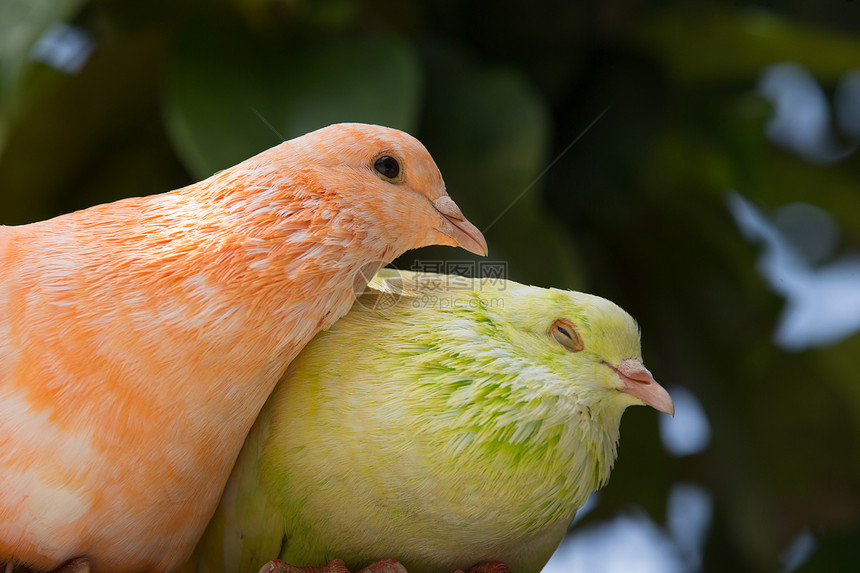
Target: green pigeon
(444,421)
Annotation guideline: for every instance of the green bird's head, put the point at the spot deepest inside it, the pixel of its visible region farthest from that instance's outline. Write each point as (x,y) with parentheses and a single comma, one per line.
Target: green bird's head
(539,377)
(587,341)
(577,345)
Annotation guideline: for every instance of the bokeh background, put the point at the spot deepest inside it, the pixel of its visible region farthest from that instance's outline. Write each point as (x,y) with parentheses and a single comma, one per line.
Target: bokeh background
(695,161)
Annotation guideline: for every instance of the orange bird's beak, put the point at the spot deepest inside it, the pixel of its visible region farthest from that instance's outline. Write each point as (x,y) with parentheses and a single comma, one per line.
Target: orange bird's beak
(458,228)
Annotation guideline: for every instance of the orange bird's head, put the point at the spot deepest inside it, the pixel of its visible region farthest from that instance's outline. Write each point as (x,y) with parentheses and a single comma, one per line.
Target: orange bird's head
(386,181)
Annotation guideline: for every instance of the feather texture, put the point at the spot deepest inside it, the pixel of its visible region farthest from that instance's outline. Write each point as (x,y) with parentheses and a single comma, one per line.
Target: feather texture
(139,339)
(441,423)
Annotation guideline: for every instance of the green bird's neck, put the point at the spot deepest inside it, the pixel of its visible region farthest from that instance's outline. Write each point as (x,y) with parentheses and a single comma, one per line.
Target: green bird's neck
(560,444)
(509,425)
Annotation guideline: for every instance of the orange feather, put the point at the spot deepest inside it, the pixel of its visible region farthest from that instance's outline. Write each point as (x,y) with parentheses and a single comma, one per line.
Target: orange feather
(139,339)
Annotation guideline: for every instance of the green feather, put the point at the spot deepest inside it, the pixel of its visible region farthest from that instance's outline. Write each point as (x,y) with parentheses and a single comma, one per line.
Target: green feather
(438,423)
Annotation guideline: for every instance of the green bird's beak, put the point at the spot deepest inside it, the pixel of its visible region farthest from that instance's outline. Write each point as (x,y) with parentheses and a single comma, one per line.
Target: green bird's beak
(640,383)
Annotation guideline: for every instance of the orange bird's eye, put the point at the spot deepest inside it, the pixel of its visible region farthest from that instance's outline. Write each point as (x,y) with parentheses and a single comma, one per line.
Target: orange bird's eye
(388,167)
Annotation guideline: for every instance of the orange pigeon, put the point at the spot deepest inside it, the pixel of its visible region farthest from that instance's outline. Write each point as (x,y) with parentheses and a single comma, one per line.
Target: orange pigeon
(139,339)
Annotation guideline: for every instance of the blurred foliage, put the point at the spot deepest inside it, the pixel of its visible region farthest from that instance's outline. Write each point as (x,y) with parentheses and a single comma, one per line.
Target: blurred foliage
(227,99)
(21,24)
(498,91)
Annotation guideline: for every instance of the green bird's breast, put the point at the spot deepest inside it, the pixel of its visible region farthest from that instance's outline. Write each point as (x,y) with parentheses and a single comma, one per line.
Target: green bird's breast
(444,465)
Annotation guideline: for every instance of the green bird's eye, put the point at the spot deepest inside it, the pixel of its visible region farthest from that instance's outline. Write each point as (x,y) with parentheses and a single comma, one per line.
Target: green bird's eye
(388,167)
(564,332)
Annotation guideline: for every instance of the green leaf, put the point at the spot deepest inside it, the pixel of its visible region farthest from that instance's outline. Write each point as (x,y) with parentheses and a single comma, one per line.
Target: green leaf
(228,99)
(21,24)
(714,45)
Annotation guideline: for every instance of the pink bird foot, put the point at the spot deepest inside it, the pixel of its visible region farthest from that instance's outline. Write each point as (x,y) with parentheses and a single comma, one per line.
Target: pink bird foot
(384,566)
(278,566)
(489,567)
(334,566)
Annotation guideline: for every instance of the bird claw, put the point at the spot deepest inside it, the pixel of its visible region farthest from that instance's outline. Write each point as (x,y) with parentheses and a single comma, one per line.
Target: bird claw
(278,566)
(334,566)
(384,566)
(489,567)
